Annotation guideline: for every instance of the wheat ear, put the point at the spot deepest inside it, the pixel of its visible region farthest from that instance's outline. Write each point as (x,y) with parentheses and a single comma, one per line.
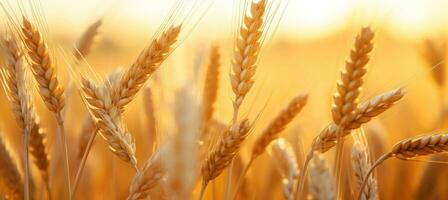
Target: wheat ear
(11,180)
(278,124)
(348,89)
(410,148)
(183,151)
(147,178)
(50,89)
(108,119)
(284,155)
(43,67)
(87,39)
(223,152)
(360,166)
(246,51)
(210,89)
(321,185)
(363,114)
(124,90)
(14,78)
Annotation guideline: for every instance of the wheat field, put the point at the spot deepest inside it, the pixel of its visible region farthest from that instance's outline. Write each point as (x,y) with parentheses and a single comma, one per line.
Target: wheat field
(209,99)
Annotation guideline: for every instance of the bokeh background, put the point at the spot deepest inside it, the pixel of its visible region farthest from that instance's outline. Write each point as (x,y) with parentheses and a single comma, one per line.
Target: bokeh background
(304,56)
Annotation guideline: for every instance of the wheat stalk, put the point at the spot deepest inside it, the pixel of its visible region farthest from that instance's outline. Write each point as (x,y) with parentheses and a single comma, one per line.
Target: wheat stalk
(11,181)
(147,178)
(210,89)
(15,81)
(286,160)
(360,166)
(109,121)
(223,152)
(87,39)
(321,185)
(410,148)
(246,51)
(124,90)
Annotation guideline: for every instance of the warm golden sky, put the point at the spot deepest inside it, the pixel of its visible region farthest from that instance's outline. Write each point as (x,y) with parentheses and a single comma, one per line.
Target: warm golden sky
(309,18)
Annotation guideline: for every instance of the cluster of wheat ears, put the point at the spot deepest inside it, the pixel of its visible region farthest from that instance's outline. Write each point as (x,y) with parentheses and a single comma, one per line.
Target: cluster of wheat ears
(203,147)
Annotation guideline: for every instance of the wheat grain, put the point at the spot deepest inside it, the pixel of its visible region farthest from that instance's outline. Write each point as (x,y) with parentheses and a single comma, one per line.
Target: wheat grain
(43,67)
(87,39)
(284,155)
(278,124)
(108,119)
(246,51)
(345,100)
(360,166)
(132,81)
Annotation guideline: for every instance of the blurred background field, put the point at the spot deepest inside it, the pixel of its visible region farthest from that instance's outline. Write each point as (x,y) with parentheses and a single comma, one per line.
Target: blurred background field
(306,55)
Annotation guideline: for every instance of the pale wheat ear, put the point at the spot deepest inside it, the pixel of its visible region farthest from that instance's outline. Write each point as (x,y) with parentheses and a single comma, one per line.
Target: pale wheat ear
(87,40)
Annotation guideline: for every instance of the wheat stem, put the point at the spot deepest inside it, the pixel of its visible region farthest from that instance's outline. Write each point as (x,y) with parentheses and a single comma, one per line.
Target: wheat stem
(26,144)
(82,164)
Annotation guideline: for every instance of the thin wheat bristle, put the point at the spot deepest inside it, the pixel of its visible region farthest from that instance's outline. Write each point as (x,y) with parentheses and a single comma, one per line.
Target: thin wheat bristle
(147,178)
(348,90)
(279,124)
(246,51)
(43,67)
(10,181)
(132,81)
(210,89)
(224,151)
(286,159)
(321,185)
(360,166)
(87,40)
(108,119)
